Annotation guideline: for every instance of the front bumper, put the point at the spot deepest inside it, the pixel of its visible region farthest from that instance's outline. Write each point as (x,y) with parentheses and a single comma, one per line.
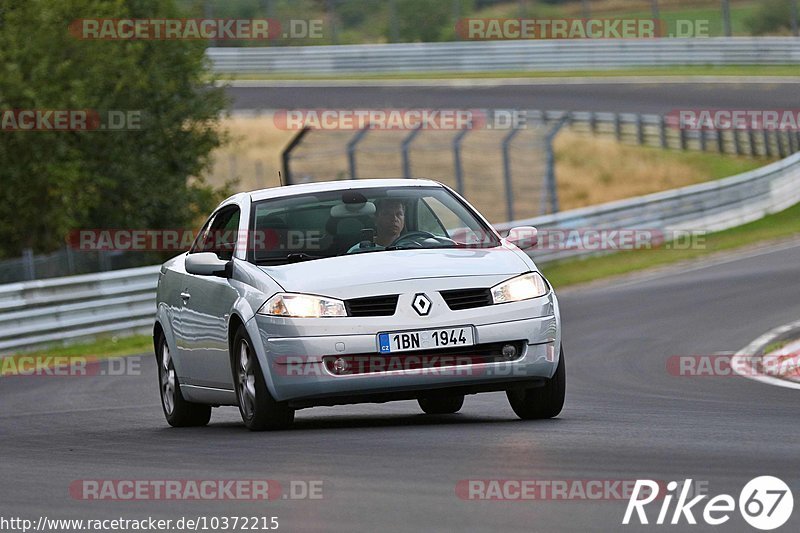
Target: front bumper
(295,371)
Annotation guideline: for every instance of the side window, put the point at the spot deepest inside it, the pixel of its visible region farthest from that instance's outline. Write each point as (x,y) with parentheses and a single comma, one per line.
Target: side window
(439,218)
(427,221)
(221,235)
(202,237)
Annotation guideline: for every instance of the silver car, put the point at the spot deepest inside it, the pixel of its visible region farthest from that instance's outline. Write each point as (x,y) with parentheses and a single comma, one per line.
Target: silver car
(354,291)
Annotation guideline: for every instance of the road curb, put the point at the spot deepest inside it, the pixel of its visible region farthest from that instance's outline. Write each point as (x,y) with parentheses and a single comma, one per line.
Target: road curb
(506,81)
(757,348)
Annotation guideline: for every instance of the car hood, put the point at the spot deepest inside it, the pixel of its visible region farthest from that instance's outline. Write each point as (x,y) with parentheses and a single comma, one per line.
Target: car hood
(325,276)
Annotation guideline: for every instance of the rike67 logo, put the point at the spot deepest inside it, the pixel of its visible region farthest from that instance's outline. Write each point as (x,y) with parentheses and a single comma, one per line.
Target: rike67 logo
(765,503)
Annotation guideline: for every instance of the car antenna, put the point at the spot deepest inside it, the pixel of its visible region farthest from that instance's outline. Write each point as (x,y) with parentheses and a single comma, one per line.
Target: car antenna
(280,178)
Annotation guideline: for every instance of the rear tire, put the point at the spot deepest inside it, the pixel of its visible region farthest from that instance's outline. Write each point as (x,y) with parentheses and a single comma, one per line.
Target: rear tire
(177,411)
(541,402)
(259,410)
(441,405)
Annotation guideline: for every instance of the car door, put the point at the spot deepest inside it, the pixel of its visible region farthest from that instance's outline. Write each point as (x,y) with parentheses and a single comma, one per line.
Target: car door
(207,303)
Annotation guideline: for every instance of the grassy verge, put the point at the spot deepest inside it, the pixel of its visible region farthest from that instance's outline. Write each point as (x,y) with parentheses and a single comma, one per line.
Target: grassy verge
(570,272)
(678,71)
(101,348)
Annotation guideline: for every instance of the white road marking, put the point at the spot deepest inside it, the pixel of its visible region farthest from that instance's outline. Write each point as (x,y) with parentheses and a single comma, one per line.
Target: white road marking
(742,357)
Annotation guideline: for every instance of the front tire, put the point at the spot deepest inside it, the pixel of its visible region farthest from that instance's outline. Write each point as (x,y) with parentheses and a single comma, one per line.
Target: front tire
(441,405)
(541,402)
(177,411)
(259,410)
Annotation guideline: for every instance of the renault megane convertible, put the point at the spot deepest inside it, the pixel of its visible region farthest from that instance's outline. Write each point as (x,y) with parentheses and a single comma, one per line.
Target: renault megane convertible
(354,291)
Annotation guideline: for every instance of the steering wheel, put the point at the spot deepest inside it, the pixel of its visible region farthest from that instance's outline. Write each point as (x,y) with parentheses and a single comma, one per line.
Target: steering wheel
(412,235)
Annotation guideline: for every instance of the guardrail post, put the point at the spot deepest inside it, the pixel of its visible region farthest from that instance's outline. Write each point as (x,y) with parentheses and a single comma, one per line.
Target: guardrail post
(726,17)
(286,155)
(28,264)
(767,147)
(405,147)
(639,129)
(702,137)
(331,12)
(507,173)
(70,259)
(351,150)
(720,142)
(682,135)
(459,171)
(781,147)
(618,127)
(662,131)
(792,142)
(550,176)
(104,265)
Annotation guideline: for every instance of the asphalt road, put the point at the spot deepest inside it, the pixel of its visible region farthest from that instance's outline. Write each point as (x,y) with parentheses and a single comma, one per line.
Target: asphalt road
(388,467)
(655,97)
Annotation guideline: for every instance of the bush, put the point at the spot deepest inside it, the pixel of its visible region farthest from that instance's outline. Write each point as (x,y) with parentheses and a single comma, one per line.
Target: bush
(773,16)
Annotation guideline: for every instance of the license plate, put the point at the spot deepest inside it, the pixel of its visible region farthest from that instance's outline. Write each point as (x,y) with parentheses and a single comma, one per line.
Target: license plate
(425,339)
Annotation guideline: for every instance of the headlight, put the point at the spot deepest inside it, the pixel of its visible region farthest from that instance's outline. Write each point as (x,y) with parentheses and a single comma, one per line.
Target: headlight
(524,287)
(302,306)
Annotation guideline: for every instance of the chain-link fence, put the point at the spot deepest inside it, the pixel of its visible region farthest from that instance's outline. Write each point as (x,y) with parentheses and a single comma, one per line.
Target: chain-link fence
(505,173)
(70,262)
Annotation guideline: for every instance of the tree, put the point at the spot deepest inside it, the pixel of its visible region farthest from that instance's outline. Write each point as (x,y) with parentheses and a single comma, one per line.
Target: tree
(52,182)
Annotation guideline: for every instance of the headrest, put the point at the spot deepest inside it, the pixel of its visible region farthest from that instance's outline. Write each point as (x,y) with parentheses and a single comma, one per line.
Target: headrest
(347,210)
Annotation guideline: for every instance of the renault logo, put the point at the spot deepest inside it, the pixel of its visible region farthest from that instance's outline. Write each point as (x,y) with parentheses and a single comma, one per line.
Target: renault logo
(421,304)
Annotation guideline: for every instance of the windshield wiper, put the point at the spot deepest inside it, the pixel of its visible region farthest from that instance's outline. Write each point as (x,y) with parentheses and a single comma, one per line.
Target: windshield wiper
(399,247)
(294,257)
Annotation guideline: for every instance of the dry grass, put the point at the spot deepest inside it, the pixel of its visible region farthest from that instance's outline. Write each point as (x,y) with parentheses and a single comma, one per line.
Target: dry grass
(589,169)
(593,169)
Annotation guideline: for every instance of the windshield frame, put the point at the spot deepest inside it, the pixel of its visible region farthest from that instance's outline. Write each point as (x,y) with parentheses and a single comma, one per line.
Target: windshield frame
(488,230)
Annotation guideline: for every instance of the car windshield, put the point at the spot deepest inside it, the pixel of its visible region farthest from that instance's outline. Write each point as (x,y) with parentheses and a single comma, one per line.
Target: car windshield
(354,221)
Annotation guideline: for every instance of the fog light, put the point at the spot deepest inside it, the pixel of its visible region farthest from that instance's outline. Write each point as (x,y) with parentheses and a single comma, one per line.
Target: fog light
(340,366)
(509,351)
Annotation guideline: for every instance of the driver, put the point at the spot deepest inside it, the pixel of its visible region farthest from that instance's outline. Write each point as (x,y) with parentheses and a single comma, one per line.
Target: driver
(390,221)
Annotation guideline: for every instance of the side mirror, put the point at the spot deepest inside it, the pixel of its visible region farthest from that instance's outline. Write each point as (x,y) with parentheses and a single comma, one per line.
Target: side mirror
(523,236)
(207,264)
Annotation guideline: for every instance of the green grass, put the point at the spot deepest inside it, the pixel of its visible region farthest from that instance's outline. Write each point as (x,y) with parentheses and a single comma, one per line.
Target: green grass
(715,26)
(570,272)
(101,348)
(713,165)
(680,71)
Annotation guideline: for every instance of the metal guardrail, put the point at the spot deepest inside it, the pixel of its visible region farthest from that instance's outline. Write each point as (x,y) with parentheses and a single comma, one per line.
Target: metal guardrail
(37,313)
(664,131)
(590,54)
(711,206)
